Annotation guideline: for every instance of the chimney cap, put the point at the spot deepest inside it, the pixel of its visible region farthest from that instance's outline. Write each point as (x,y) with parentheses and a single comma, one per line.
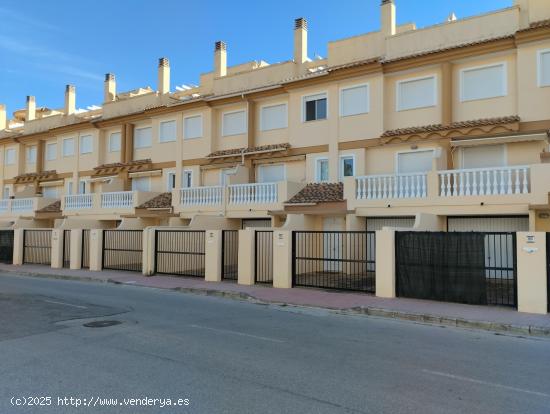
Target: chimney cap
(300,23)
(163,61)
(69,88)
(387,2)
(109,77)
(30,98)
(220,45)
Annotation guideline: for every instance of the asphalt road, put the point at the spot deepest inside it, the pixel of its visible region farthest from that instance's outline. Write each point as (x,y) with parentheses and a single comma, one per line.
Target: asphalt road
(227,356)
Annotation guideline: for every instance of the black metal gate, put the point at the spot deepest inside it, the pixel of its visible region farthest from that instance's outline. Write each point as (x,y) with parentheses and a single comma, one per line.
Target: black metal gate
(263,262)
(343,260)
(66,248)
(37,246)
(180,252)
(85,257)
(465,267)
(6,246)
(230,254)
(123,250)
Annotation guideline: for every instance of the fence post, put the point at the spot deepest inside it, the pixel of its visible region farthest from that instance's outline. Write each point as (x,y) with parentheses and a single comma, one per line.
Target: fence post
(149,248)
(57,248)
(213,256)
(96,249)
(282,259)
(385,264)
(531,272)
(18,237)
(247,254)
(76,249)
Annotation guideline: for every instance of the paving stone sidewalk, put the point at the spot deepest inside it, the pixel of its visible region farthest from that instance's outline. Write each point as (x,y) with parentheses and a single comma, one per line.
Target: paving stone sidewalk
(498,319)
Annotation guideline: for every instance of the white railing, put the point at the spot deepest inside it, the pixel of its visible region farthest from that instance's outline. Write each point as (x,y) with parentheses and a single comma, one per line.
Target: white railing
(201,196)
(484,181)
(253,193)
(79,201)
(22,204)
(379,187)
(4,205)
(119,199)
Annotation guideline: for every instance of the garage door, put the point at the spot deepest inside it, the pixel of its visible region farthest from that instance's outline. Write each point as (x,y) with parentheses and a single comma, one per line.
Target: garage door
(377,223)
(488,224)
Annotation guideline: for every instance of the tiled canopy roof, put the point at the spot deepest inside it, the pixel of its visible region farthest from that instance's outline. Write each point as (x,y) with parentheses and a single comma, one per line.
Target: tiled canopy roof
(319,193)
(54,207)
(239,151)
(537,25)
(35,175)
(163,200)
(123,164)
(454,125)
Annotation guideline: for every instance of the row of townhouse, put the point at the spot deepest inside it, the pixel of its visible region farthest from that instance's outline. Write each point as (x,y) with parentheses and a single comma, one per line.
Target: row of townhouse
(445,126)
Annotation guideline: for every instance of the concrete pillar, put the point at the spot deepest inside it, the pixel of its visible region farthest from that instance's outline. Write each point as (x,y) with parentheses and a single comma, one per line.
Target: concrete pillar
(149,240)
(57,248)
(531,268)
(247,254)
(213,256)
(96,249)
(300,41)
(18,238)
(282,259)
(385,264)
(76,249)
(109,88)
(220,59)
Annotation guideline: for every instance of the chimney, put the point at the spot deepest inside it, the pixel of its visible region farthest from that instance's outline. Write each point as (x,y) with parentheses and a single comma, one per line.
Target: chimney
(3,120)
(70,100)
(164,76)
(300,40)
(109,88)
(31,108)
(388,18)
(220,59)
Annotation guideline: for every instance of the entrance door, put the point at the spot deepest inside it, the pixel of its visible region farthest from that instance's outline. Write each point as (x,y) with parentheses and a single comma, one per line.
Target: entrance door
(333,243)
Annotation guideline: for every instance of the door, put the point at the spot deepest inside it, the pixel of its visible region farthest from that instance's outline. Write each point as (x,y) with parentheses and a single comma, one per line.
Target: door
(271,173)
(333,243)
(414,162)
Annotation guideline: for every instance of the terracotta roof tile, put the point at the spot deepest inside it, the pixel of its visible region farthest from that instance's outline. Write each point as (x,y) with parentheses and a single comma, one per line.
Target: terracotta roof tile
(454,125)
(238,151)
(163,200)
(54,207)
(36,175)
(122,164)
(319,193)
(537,25)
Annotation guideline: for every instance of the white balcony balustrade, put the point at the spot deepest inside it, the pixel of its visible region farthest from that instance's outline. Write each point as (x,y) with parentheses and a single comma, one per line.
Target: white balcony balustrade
(379,187)
(201,196)
(119,199)
(253,193)
(484,181)
(4,205)
(20,205)
(79,202)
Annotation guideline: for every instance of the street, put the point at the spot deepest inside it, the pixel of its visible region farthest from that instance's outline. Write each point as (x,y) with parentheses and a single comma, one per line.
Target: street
(226,356)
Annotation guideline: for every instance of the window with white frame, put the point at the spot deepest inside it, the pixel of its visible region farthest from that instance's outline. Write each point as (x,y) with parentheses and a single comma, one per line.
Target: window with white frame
(167,131)
(31,154)
(484,156)
(272,173)
(114,142)
(233,123)
(354,100)
(314,107)
(192,127)
(69,188)
(68,147)
(347,166)
(544,67)
(187,179)
(224,175)
(82,187)
(412,162)
(142,137)
(6,193)
(9,156)
(416,93)
(51,151)
(49,192)
(170,180)
(273,117)
(321,169)
(483,82)
(86,145)
(141,184)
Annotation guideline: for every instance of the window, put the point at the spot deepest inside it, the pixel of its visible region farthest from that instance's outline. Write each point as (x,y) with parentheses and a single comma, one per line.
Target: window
(484,156)
(86,146)
(347,166)
(49,192)
(170,180)
(82,187)
(114,142)
(69,188)
(192,127)
(321,169)
(142,137)
(51,151)
(141,184)
(271,173)
(483,82)
(354,100)
(233,123)
(416,93)
(10,156)
(224,175)
(187,179)
(167,131)
(414,161)
(273,117)
(31,154)
(6,193)
(544,67)
(315,107)
(68,147)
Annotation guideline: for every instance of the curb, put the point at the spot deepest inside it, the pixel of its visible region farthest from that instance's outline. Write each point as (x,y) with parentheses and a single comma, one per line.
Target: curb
(435,320)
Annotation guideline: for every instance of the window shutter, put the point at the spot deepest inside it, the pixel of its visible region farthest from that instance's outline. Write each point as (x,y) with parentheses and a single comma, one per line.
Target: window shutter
(68,147)
(418,93)
(114,142)
(483,83)
(483,156)
(414,162)
(354,100)
(272,173)
(142,137)
(544,68)
(167,131)
(274,117)
(192,127)
(234,123)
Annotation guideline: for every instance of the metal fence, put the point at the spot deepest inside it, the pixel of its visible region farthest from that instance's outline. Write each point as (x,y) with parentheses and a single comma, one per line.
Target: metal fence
(465,267)
(230,254)
(123,250)
(37,246)
(6,246)
(263,265)
(66,248)
(85,254)
(180,252)
(334,260)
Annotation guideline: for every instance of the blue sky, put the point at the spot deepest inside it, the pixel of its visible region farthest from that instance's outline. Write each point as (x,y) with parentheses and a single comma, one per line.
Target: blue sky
(46,45)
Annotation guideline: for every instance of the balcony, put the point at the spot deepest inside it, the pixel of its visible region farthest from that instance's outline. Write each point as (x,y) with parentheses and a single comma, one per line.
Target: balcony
(23,207)
(119,202)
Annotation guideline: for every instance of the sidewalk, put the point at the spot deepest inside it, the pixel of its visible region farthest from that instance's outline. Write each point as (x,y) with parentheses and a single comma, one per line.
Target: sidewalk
(498,319)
